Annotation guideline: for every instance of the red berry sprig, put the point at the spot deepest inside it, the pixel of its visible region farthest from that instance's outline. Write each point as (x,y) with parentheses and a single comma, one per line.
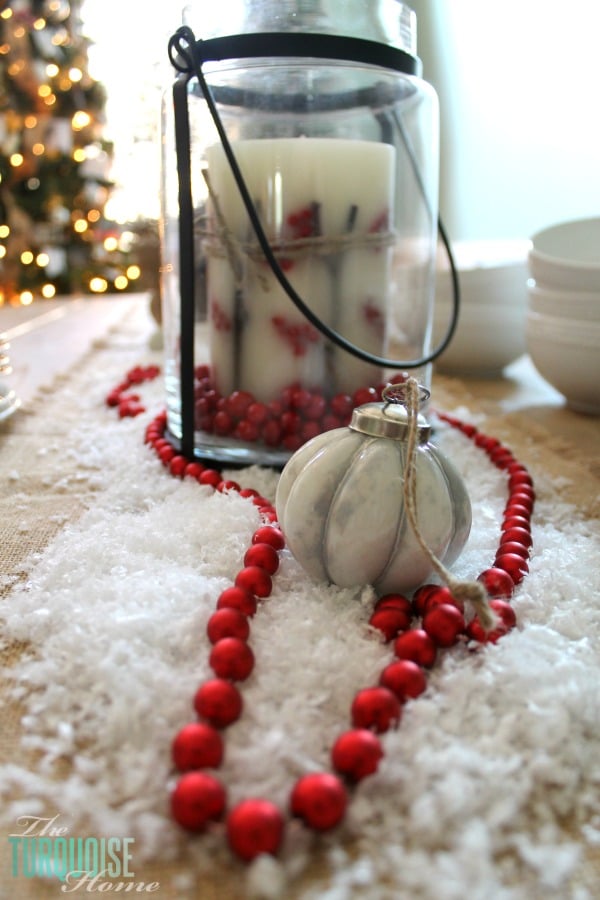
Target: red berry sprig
(418,629)
(294,417)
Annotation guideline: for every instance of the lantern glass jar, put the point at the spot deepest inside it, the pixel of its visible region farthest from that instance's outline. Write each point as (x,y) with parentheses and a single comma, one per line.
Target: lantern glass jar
(340,161)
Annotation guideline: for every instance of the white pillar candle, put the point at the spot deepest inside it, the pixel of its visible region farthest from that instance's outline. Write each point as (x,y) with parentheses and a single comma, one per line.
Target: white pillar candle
(318,199)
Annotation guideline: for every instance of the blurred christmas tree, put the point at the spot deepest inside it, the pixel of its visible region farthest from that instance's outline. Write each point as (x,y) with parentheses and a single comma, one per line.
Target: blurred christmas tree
(54,163)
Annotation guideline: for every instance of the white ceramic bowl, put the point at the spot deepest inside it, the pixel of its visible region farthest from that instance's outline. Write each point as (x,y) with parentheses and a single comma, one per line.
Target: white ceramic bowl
(567,255)
(567,355)
(491,327)
(577,306)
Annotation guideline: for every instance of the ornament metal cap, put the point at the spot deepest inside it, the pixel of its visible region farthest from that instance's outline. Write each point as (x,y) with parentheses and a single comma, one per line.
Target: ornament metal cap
(390,418)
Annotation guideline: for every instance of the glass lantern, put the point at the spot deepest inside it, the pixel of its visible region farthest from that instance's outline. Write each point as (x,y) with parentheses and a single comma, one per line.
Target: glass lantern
(299,221)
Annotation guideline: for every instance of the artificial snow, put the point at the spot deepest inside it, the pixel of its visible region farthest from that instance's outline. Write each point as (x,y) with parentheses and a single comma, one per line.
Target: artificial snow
(476,783)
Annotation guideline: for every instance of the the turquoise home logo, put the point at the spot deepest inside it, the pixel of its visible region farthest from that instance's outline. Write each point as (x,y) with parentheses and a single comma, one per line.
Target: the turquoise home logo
(42,847)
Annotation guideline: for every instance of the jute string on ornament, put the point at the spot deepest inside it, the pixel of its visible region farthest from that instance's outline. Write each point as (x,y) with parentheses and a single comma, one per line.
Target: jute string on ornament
(472,592)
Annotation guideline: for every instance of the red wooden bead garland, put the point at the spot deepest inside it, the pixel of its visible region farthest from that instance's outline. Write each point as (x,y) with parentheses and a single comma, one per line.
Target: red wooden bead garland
(319,799)
(197,799)
(197,746)
(356,753)
(255,825)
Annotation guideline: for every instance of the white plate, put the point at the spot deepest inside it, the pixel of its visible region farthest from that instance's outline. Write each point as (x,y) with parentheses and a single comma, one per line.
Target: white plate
(9,402)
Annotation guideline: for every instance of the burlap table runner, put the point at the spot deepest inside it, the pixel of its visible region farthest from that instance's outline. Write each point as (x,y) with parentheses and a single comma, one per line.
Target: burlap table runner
(42,491)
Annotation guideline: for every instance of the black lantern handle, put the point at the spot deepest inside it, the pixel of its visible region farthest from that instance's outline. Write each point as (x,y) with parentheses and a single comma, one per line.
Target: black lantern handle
(188,55)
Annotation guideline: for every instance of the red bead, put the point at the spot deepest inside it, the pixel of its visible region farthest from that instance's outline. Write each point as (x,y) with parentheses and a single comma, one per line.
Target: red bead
(396,601)
(268,534)
(497,582)
(520,535)
(193,470)
(389,621)
(210,476)
(505,611)
(377,708)
(263,555)
(256,580)
(219,702)
(501,457)
(441,595)
(515,565)
(404,678)
(417,646)
(517,509)
(197,799)
(319,799)
(197,746)
(513,547)
(510,521)
(486,442)
(248,492)
(227,622)
(443,624)
(356,754)
(477,632)
(166,454)
(259,500)
(237,598)
(254,826)
(177,466)
(421,595)
(231,658)
(524,498)
(226,485)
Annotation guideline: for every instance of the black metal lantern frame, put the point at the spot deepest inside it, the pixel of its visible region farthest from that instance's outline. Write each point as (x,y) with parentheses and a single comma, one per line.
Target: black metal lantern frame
(188,56)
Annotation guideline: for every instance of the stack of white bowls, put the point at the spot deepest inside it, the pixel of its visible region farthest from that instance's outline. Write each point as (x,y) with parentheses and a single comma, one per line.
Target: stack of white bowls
(563,315)
(493,289)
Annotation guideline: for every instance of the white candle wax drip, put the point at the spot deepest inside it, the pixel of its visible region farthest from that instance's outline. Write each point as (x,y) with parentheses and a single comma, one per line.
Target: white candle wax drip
(327,207)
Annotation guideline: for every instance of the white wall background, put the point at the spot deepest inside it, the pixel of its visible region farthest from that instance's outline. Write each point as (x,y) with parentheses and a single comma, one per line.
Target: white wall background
(519,89)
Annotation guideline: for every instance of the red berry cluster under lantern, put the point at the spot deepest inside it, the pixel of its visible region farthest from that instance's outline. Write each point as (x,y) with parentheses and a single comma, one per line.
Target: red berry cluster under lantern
(418,629)
(295,417)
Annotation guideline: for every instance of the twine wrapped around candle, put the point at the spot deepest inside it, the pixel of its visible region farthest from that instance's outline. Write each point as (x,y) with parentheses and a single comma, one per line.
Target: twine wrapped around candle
(222,242)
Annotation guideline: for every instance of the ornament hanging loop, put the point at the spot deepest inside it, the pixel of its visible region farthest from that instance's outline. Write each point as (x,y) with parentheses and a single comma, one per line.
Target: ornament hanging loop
(401,393)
